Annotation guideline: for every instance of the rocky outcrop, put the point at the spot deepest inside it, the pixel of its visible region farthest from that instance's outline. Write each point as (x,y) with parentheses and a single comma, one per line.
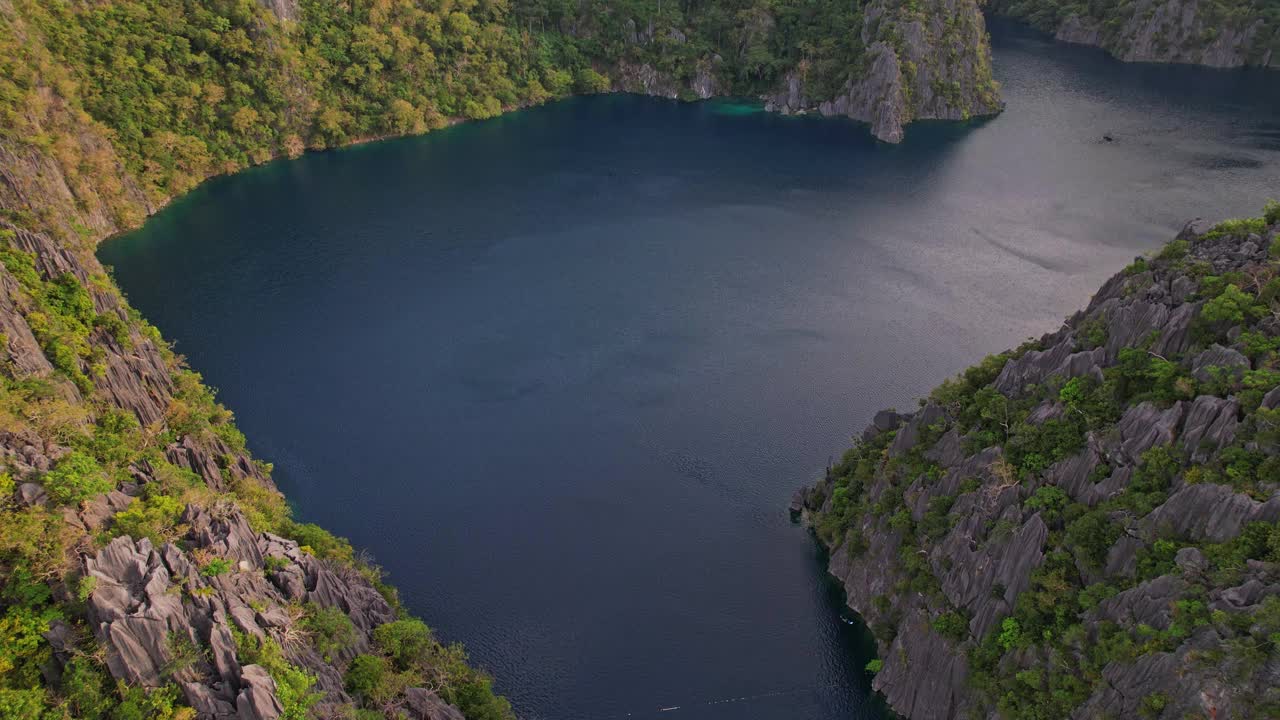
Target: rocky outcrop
(931,62)
(151,604)
(1112,484)
(173,613)
(1195,32)
(934,64)
(285,10)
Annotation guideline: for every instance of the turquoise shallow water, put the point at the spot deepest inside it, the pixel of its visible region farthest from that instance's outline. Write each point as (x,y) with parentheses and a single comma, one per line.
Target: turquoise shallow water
(561,371)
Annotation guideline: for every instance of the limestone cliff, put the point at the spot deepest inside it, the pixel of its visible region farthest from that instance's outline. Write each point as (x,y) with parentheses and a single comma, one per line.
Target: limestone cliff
(140,542)
(148,565)
(932,63)
(894,62)
(1086,526)
(1199,32)
(149,568)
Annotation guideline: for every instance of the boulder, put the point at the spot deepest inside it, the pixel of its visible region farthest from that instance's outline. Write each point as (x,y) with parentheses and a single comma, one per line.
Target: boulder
(423,704)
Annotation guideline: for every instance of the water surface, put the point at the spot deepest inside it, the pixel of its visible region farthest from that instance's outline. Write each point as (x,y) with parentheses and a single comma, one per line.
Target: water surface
(561,371)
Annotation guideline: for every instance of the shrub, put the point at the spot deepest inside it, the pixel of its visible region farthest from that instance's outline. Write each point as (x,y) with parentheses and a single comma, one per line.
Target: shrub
(474,696)
(154,518)
(84,684)
(365,675)
(76,477)
(22,646)
(1231,307)
(590,81)
(139,703)
(937,520)
(1175,250)
(215,567)
(951,625)
(22,703)
(407,641)
(1235,227)
(1153,705)
(874,666)
(1271,212)
(1049,500)
(321,542)
(330,628)
(293,684)
(1010,634)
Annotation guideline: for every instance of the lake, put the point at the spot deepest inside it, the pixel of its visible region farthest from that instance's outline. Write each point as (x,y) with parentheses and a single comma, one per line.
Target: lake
(561,371)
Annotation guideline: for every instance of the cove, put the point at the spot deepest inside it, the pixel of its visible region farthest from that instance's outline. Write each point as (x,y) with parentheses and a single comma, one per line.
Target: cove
(562,370)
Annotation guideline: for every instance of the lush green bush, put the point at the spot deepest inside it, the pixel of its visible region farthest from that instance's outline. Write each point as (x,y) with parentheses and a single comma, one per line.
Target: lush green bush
(407,642)
(951,625)
(330,629)
(76,477)
(216,566)
(365,675)
(318,541)
(293,684)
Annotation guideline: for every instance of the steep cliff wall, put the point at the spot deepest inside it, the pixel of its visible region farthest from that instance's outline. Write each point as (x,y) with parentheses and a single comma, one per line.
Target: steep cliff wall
(1087,526)
(149,568)
(933,62)
(893,63)
(1234,33)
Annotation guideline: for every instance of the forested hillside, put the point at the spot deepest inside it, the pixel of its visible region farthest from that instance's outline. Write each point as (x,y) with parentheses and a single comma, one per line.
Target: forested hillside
(149,569)
(1218,33)
(186,89)
(1087,526)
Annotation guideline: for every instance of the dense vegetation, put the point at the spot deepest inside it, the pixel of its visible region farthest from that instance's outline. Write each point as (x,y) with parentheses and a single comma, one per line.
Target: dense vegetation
(1054,452)
(43,584)
(191,88)
(107,110)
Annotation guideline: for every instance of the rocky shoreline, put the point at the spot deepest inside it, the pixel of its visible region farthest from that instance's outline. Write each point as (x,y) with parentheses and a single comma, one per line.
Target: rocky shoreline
(1080,527)
(1194,32)
(932,63)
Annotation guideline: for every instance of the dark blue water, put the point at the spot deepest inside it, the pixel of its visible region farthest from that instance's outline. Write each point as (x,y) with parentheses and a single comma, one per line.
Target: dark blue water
(561,371)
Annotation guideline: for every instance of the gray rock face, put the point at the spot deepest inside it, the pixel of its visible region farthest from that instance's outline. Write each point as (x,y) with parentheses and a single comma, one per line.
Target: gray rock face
(1272,399)
(1217,362)
(133,612)
(1150,603)
(426,705)
(257,699)
(996,564)
(1170,31)
(285,10)
(884,421)
(1208,512)
(1076,30)
(96,512)
(986,549)
(911,57)
(150,605)
(1037,366)
(927,684)
(24,454)
(1145,426)
(1210,425)
(20,347)
(878,98)
(909,434)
